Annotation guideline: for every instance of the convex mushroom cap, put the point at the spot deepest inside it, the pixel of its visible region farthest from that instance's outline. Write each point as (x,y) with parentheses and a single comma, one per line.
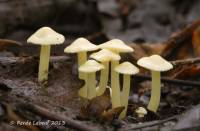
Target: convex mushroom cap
(90,66)
(80,45)
(46,36)
(116,45)
(155,63)
(141,111)
(126,68)
(105,55)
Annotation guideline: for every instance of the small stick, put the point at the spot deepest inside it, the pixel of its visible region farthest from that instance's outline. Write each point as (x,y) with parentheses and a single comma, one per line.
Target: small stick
(169,80)
(149,124)
(53,116)
(186,61)
(21,60)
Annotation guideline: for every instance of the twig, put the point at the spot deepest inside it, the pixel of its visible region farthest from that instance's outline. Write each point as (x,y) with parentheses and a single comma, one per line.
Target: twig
(53,116)
(20,60)
(186,61)
(148,124)
(169,80)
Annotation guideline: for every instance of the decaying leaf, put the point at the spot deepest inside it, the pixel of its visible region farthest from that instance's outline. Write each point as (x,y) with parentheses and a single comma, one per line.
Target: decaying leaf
(96,106)
(187,72)
(196,41)
(9,45)
(111,114)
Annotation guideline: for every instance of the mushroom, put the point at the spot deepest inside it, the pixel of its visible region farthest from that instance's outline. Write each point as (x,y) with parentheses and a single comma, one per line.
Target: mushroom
(127,69)
(81,46)
(89,68)
(104,56)
(116,46)
(45,37)
(156,64)
(141,112)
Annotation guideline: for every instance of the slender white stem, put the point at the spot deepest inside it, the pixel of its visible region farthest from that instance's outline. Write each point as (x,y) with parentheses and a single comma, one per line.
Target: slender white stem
(103,79)
(155,92)
(91,85)
(115,85)
(82,58)
(44,63)
(125,94)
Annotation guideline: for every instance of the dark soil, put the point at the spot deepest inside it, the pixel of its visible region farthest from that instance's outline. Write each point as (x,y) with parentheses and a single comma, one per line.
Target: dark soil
(19,83)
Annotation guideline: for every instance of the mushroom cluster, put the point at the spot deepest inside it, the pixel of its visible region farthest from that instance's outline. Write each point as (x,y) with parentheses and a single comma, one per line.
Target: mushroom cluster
(108,54)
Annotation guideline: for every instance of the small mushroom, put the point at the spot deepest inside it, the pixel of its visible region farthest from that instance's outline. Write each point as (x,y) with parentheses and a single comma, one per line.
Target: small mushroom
(118,47)
(45,37)
(127,69)
(89,68)
(81,46)
(141,112)
(104,56)
(156,64)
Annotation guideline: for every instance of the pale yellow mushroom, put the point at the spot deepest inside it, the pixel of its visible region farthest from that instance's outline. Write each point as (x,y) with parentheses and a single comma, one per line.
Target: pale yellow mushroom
(45,37)
(118,47)
(141,112)
(104,56)
(81,46)
(156,64)
(89,68)
(127,69)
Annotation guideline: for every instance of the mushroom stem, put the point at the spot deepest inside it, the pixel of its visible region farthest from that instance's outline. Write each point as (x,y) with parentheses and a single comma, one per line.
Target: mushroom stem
(125,94)
(155,92)
(44,63)
(82,58)
(103,79)
(91,85)
(115,85)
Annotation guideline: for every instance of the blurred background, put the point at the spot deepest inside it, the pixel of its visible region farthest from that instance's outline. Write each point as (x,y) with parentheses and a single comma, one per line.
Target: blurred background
(130,20)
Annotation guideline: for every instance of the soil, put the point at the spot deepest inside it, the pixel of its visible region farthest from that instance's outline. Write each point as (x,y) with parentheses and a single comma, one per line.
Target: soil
(60,94)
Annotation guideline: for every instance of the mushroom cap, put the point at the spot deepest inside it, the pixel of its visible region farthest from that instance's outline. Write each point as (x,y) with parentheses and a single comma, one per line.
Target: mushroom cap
(90,66)
(80,45)
(155,63)
(105,55)
(141,110)
(126,68)
(116,45)
(46,36)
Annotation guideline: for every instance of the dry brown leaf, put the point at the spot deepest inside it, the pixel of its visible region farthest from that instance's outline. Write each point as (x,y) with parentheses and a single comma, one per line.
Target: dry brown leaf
(187,72)
(196,41)
(111,114)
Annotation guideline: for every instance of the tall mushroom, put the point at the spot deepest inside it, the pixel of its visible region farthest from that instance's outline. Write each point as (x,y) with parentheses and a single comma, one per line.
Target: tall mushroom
(127,69)
(81,46)
(156,64)
(118,47)
(89,68)
(45,37)
(104,56)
